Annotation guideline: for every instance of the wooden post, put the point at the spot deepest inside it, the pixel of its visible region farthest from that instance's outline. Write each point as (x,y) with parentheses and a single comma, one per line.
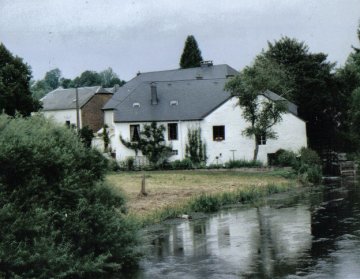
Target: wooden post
(143,191)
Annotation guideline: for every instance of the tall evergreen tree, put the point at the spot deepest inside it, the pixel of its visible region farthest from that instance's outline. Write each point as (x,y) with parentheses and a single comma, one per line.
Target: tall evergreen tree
(15,94)
(191,56)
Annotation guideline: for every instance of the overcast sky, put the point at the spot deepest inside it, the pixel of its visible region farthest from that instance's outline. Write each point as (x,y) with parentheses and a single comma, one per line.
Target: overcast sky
(131,36)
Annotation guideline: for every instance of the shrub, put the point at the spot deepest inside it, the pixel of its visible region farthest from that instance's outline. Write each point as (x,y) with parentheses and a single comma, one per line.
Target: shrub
(285,158)
(58,219)
(309,157)
(185,164)
(130,163)
(242,164)
(308,173)
(195,149)
(86,135)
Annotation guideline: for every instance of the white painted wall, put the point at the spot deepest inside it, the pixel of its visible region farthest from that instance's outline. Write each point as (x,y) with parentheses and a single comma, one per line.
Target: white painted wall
(109,117)
(61,116)
(291,135)
(124,129)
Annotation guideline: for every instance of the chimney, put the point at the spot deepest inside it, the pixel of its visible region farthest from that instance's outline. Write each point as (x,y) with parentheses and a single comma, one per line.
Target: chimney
(208,63)
(116,87)
(154,97)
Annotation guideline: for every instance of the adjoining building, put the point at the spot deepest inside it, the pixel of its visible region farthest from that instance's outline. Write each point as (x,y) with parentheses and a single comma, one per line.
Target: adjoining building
(187,99)
(61,105)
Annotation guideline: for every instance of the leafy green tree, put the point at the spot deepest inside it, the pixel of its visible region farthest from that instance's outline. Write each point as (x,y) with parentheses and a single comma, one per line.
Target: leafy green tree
(87,78)
(109,78)
(15,94)
(315,89)
(262,114)
(58,218)
(191,56)
(151,144)
(39,89)
(51,81)
(195,149)
(66,83)
(86,135)
(348,78)
(106,137)
(52,78)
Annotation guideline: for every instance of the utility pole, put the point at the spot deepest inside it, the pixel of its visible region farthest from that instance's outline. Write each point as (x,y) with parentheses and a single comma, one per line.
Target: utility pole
(77,110)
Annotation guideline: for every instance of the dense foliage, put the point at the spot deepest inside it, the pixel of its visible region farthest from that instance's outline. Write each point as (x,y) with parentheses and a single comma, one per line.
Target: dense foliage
(151,144)
(191,56)
(15,95)
(260,112)
(58,220)
(53,79)
(86,135)
(195,149)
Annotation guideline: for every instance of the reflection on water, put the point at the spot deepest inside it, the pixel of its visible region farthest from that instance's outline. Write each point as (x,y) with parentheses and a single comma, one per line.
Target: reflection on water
(312,235)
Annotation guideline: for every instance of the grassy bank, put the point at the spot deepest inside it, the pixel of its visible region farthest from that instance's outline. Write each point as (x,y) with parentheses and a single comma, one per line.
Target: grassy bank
(172,193)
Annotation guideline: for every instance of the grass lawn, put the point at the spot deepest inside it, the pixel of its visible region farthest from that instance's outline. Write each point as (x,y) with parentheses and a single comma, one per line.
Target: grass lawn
(172,188)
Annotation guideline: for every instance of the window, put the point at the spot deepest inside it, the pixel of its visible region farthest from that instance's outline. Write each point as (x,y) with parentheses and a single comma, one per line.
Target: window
(67,123)
(218,133)
(261,140)
(174,152)
(172,131)
(134,132)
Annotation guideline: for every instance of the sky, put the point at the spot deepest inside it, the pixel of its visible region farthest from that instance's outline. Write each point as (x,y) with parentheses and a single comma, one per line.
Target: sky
(149,35)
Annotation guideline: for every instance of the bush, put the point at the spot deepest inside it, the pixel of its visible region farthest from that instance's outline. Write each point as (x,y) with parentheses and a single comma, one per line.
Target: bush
(185,164)
(58,219)
(285,158)
(242,164)
(309,157)
(312,174)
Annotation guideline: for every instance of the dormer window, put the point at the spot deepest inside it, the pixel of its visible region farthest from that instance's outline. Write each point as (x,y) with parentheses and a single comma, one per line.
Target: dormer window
(174,103)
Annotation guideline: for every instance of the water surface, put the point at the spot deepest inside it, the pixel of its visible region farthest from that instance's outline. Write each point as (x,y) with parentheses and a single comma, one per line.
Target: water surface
(314,233)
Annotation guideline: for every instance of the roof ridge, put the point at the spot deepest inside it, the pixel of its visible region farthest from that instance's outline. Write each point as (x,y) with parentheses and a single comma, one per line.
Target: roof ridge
(180,69)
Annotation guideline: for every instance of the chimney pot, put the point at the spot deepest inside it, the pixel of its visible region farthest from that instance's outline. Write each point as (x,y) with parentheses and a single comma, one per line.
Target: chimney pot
(154,97)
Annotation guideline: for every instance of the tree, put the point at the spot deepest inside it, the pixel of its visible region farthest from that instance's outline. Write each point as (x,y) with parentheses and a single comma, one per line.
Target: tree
(58,218)
(51,81)
(151,144)
(87,78)
(15,94)
(52,78)
(191,56)
(106,138)
(315,88)
(195,149)
(109,78)
(262,114)
(348,78)
(86,135)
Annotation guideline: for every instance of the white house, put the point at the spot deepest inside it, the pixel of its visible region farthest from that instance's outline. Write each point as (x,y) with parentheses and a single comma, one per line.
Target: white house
(193,98)
(60,104)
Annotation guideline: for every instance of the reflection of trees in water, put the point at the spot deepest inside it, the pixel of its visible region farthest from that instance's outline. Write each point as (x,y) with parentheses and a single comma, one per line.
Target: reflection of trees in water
(268,242)
(333,216)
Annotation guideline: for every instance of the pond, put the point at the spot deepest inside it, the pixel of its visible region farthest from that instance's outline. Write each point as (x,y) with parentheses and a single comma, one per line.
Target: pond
(308,233)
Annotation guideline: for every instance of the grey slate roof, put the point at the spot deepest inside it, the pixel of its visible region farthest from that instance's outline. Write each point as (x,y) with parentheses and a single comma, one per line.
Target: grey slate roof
(60,99)
(291,107)
(191,99)
(182,95)
(205,72)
